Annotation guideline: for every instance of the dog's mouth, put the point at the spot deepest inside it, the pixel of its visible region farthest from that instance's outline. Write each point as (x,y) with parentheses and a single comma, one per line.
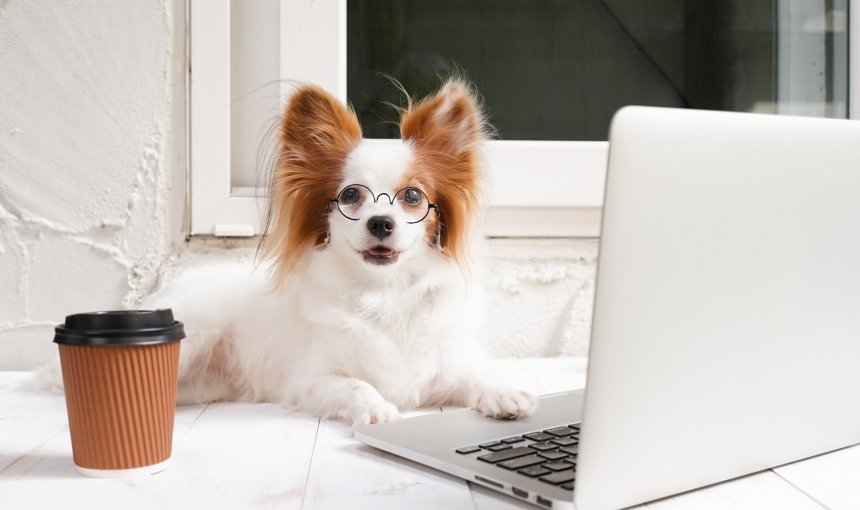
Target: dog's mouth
(380,255)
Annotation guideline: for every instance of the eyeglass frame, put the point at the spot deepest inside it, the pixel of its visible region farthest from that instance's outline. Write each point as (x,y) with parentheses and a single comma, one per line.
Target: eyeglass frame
(336,201)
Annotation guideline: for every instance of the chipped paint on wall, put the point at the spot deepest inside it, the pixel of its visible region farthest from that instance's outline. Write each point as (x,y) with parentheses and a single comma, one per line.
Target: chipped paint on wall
(89,204)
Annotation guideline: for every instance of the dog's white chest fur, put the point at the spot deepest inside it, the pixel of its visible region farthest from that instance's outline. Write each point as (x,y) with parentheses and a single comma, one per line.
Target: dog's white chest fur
(399,335)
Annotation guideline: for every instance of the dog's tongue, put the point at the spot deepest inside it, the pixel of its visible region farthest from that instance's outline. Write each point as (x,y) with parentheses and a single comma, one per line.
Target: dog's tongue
(381,251)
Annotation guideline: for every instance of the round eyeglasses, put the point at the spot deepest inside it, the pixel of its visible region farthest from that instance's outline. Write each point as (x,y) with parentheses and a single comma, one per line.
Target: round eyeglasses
(352,202)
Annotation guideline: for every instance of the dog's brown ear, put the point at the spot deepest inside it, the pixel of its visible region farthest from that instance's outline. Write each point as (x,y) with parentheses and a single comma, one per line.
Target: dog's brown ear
(446,130)
(449,122)
(317,134)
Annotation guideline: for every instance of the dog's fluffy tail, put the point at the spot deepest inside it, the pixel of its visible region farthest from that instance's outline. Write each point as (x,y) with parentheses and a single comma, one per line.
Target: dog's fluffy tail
(48,377)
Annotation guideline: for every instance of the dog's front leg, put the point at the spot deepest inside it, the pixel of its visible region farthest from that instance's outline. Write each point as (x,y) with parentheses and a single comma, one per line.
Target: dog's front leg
(493,399)
(334,396)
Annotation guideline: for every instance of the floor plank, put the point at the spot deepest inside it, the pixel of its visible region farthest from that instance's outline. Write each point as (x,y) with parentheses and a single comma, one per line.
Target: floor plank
(249,455)
(761,491)
(557,374)
(832,479)
(45,477)
(347,474)
(28,418)
(261,456)
(513,372)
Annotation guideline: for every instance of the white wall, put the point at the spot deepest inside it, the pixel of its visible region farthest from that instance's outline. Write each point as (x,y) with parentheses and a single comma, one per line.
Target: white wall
(92,185)
(92,163)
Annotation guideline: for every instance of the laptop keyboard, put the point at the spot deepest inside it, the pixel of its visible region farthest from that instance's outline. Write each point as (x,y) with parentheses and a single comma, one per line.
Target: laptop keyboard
(547,455)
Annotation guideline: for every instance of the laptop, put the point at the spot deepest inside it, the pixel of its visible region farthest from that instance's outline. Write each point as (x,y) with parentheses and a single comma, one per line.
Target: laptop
(726,331)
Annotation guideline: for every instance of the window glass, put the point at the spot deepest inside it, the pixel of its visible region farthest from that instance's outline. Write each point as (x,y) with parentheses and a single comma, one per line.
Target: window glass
(559,69)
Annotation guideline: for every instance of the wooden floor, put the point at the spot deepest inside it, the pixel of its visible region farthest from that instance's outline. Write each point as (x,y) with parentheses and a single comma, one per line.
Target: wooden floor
(260,456)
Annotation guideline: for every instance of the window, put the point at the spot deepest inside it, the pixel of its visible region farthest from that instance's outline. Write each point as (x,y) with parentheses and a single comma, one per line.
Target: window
(552,73)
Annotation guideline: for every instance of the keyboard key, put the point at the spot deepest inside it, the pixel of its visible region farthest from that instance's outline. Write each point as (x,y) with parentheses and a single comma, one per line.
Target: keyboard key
(573,450)
(498,447)
(521,462)
(553,455)
(511,453)
(568,486)
(559,477)
(491,443)
(561,431)
(468,449)
(558,465)
(534,471)
(512,440)
(541,447)
(538,436)
(565,441)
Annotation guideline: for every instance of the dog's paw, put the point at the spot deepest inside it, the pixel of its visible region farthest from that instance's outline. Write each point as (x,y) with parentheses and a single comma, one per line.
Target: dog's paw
(505,403)
(376,411)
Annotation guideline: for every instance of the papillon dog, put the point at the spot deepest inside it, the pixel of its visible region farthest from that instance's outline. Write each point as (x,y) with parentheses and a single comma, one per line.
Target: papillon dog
(370,302)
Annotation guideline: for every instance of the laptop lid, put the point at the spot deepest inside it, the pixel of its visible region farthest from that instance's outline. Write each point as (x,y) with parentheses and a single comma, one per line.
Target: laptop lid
(726,333)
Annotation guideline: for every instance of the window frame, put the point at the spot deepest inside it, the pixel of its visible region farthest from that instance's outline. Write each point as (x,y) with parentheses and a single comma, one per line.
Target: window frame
(562,196)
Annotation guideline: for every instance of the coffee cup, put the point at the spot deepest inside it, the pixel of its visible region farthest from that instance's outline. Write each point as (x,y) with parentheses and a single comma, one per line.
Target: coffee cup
(120,372)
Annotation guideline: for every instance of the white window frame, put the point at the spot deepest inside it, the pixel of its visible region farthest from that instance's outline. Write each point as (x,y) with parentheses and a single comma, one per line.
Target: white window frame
(538,188)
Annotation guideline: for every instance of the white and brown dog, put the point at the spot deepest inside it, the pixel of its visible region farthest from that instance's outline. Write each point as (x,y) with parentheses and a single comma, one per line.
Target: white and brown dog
(370,304)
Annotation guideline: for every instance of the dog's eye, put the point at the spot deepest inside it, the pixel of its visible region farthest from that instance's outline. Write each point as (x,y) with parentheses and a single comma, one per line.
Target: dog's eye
(350,195)
(412,196)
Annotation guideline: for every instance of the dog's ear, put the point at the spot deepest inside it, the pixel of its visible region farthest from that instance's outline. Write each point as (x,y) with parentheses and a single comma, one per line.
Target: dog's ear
(317,134)
(446,130)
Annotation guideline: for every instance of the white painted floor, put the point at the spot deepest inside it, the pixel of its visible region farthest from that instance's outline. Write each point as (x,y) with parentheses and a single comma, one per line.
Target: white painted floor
(260,456)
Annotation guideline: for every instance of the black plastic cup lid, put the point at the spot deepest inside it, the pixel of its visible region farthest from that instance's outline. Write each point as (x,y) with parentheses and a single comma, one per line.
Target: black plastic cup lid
(124,327)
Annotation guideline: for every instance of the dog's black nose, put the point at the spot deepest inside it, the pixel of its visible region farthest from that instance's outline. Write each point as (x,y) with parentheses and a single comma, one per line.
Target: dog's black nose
(380,226)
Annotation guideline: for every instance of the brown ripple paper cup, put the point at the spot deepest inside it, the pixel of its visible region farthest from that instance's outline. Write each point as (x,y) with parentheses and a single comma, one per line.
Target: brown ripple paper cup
(120,374)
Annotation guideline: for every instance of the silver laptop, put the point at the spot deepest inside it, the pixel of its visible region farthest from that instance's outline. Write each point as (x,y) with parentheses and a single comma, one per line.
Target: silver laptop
(726,330)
